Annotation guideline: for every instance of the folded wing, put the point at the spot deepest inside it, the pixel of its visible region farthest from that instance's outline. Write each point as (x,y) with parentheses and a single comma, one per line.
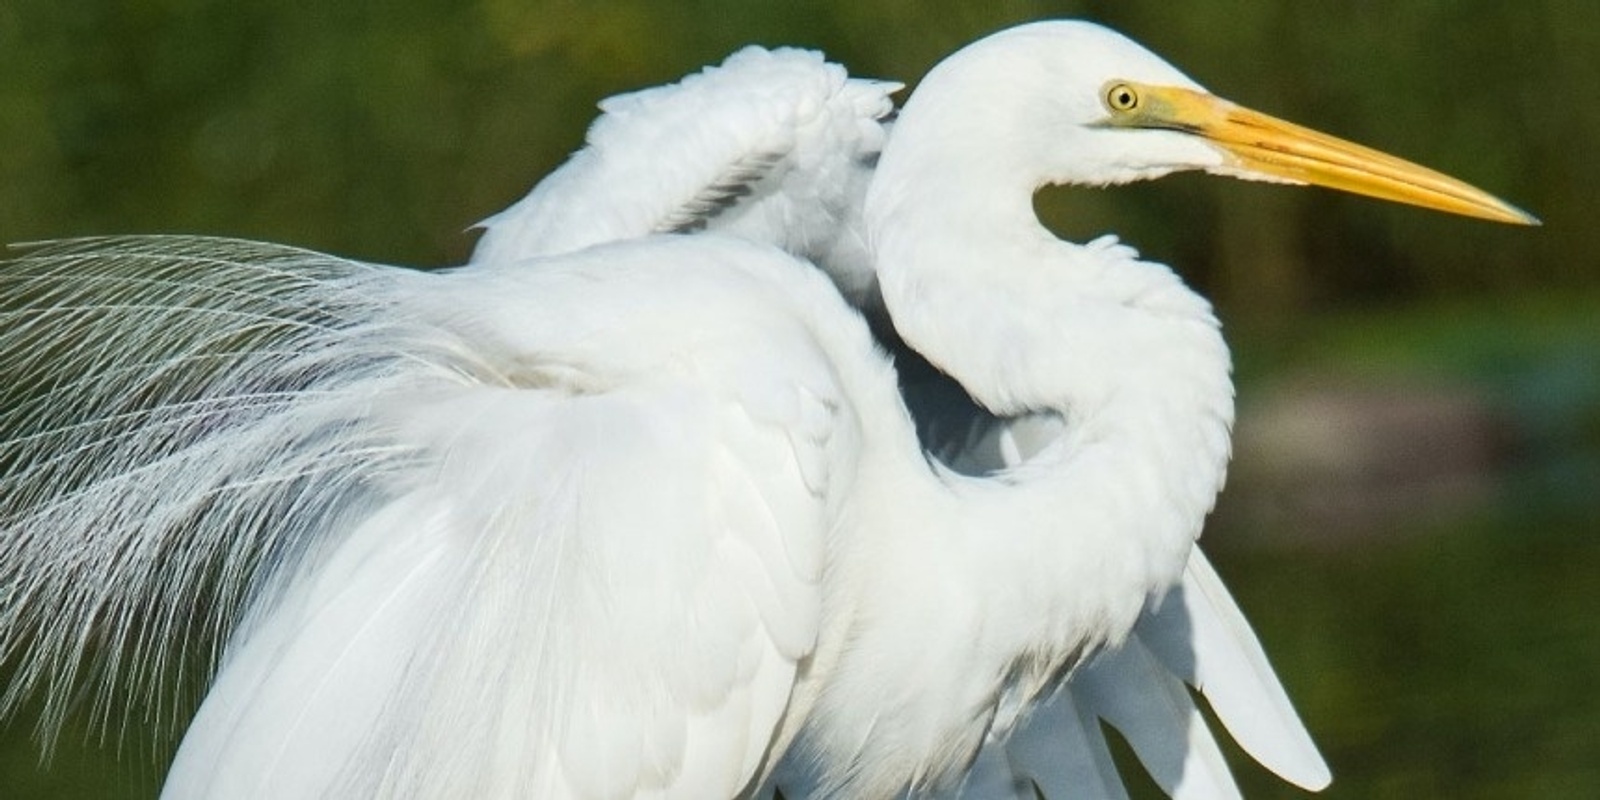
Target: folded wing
(449,550)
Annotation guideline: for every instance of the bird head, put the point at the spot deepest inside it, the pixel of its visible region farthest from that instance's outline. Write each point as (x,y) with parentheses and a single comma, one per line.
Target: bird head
(1072,102)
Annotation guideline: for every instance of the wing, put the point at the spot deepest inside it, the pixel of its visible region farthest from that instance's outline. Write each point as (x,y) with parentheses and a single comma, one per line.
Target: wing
(588,597)
(468,561)
(773,146)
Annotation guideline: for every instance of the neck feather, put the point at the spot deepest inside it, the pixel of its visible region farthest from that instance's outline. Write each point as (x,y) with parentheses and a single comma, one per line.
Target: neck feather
(1056,556)
(1129,357)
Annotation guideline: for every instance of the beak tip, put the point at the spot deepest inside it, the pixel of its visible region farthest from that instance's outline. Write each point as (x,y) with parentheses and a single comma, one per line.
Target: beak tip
(1516,216)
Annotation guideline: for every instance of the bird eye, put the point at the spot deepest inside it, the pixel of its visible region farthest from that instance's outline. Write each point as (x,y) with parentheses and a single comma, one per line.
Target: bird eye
(1122,97)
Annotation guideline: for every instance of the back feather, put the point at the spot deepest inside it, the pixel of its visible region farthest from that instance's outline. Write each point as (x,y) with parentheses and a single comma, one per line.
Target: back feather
(173,408)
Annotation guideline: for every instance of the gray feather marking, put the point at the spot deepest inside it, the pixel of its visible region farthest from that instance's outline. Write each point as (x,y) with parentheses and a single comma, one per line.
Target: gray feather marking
(717,197)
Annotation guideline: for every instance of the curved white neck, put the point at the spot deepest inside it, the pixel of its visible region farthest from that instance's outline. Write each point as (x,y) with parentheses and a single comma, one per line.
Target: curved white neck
(1132,360)
(1016,575)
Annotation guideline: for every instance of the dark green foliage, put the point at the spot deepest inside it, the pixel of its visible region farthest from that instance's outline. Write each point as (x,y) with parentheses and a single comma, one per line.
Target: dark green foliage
(1429,663)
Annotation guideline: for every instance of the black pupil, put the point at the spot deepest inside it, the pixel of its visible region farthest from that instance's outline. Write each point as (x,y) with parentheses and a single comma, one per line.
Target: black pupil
(1125,98)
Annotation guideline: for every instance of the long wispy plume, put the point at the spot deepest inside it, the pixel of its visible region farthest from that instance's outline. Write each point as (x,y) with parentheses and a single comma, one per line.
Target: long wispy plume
(181,419)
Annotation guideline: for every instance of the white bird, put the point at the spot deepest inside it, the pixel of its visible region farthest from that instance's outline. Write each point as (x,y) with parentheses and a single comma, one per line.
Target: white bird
(784,148)
(650,518)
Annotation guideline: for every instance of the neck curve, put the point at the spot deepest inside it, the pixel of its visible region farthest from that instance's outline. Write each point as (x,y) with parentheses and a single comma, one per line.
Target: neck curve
(1055,557)
(1119,348)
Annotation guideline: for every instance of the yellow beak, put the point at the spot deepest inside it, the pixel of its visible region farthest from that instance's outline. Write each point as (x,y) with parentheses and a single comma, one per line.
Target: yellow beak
(1262,146)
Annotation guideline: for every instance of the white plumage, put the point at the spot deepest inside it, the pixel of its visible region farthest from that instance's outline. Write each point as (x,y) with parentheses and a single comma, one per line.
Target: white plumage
(771,146)
(612,514)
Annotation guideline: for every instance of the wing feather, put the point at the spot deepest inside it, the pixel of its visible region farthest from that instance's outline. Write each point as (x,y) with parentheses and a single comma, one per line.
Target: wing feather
(1136,694)
(1202,637)
(774,146)
(607,600)
(1196,635)
(1063,752)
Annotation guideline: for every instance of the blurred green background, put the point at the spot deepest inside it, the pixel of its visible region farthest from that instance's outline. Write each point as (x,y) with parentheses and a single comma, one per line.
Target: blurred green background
(1412,522)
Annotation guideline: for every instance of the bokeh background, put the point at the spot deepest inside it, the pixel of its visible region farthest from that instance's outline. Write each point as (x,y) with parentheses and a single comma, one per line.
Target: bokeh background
(1414,518)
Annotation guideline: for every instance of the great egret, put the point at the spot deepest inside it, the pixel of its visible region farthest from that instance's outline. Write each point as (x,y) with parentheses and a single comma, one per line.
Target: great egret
(784,148)
(650,518)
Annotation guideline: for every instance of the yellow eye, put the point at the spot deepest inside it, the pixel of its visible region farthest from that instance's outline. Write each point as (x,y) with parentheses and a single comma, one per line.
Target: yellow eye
(1122,97)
